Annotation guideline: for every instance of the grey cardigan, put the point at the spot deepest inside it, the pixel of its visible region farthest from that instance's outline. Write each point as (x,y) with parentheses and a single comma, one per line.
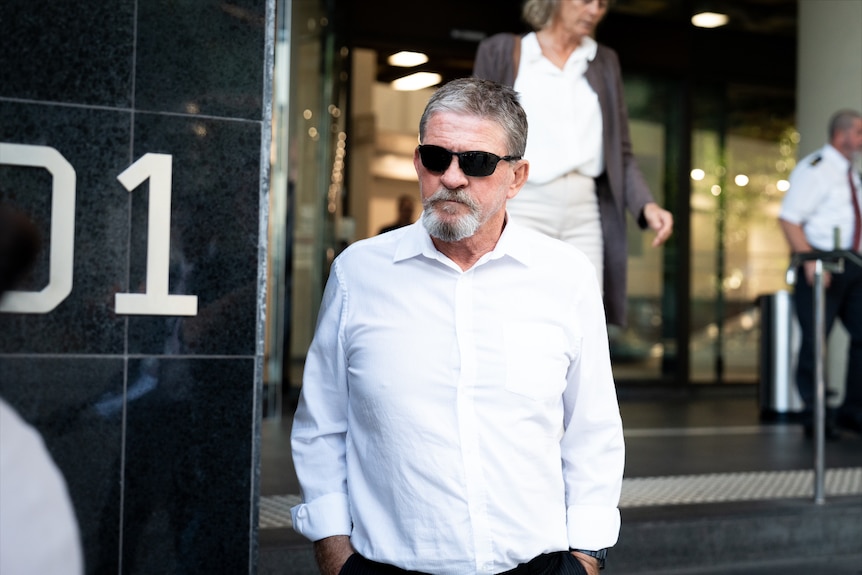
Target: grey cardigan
(622,186)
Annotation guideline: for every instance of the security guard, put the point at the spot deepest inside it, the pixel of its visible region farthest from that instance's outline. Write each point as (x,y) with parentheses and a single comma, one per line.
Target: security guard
(821,211)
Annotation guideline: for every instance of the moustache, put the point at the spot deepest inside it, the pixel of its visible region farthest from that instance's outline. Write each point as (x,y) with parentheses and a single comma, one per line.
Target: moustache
(446,195)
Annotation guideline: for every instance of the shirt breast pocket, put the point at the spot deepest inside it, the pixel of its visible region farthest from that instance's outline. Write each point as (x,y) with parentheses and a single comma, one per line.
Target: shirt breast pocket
(537,358)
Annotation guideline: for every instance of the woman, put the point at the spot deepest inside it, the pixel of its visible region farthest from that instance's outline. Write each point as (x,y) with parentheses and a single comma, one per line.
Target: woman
(583,175)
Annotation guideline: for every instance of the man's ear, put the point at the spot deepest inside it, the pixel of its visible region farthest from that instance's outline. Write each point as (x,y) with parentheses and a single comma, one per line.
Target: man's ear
(520,173)
(416,161)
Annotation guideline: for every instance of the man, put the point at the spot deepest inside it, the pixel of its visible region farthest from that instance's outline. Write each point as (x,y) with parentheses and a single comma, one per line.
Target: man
(821,212)
(405,214)
(458,413)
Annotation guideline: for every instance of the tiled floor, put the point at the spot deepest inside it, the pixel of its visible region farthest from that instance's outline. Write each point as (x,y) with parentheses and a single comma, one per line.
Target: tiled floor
(711,447)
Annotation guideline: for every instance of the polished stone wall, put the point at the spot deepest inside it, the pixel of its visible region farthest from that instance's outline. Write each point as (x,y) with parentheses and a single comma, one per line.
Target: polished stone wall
(152,415)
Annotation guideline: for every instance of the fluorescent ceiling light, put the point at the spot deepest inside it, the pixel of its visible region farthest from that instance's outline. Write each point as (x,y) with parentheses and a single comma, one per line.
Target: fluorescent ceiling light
(407,59)
(709,20)
(416,81)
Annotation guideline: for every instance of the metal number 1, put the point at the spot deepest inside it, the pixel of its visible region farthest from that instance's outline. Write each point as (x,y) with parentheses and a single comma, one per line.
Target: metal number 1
(156,300)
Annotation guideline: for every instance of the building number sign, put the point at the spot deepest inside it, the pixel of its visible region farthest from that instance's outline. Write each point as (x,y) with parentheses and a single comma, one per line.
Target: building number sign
(157,168)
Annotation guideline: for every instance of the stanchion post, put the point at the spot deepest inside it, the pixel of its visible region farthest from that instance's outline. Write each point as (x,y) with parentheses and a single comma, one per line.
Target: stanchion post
(832,261)
(820,384)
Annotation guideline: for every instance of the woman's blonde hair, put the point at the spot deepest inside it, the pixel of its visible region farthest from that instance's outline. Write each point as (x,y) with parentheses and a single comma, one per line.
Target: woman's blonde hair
(539,13)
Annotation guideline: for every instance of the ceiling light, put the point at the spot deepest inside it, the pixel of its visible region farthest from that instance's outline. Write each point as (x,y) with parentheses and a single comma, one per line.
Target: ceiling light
(416,81)
(709,20)
(405,59)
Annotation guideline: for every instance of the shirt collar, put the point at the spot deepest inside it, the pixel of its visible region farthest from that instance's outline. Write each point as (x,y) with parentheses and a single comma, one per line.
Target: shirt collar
(514,243)
(531,50)
(590,47)
(830,154)
(416,241)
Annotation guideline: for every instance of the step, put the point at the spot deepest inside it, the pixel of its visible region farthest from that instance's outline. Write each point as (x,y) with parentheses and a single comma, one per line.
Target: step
(718,538)
(282,551)
(710,524)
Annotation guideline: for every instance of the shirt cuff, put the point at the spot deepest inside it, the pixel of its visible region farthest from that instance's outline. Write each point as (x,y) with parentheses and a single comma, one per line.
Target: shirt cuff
(592,527)
(326,516)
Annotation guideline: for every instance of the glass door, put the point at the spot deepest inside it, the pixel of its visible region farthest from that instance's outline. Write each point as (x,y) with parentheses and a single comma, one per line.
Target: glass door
(308,155)
(743,149)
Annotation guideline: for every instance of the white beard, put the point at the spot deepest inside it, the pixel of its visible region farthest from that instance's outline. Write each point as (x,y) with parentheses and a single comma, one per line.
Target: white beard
(450,231)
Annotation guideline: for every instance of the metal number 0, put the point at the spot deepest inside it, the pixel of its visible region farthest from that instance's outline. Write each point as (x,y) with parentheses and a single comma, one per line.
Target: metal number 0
(62,250)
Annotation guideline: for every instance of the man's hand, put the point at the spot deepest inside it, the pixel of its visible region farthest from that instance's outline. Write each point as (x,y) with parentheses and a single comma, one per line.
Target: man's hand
(331,553)
(591,564)
(795,235)
(660,220)
(810,272)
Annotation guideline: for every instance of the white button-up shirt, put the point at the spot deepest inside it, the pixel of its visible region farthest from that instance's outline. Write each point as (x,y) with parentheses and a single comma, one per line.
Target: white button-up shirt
(819,199)
(459,421)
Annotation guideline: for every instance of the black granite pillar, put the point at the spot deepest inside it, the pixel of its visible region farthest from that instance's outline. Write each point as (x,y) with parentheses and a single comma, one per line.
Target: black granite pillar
(151,409)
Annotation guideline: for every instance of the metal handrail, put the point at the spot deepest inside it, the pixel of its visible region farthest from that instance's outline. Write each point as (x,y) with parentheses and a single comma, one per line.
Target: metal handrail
(832,261)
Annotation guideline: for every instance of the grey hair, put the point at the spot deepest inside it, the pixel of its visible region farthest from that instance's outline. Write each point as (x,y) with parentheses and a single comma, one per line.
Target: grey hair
(484,99)
(539,13)
(841,121)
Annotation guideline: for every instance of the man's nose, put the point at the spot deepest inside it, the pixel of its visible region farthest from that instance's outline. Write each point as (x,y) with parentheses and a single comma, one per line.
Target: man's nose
(454,176)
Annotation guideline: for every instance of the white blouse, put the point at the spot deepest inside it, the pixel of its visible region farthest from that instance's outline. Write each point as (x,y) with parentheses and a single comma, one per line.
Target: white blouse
(565,119)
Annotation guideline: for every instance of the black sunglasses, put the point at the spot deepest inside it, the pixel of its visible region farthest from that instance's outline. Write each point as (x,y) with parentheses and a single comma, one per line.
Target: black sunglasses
(476,164)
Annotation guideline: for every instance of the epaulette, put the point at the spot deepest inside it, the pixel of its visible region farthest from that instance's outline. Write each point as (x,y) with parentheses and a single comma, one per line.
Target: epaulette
(816,160)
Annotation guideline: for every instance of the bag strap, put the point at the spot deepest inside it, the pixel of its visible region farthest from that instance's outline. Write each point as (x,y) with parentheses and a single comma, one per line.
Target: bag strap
(516,56)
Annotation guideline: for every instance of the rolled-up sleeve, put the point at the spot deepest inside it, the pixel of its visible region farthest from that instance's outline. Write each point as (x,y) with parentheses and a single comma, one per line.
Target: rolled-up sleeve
(325,516)
(318,436)
(592,445)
